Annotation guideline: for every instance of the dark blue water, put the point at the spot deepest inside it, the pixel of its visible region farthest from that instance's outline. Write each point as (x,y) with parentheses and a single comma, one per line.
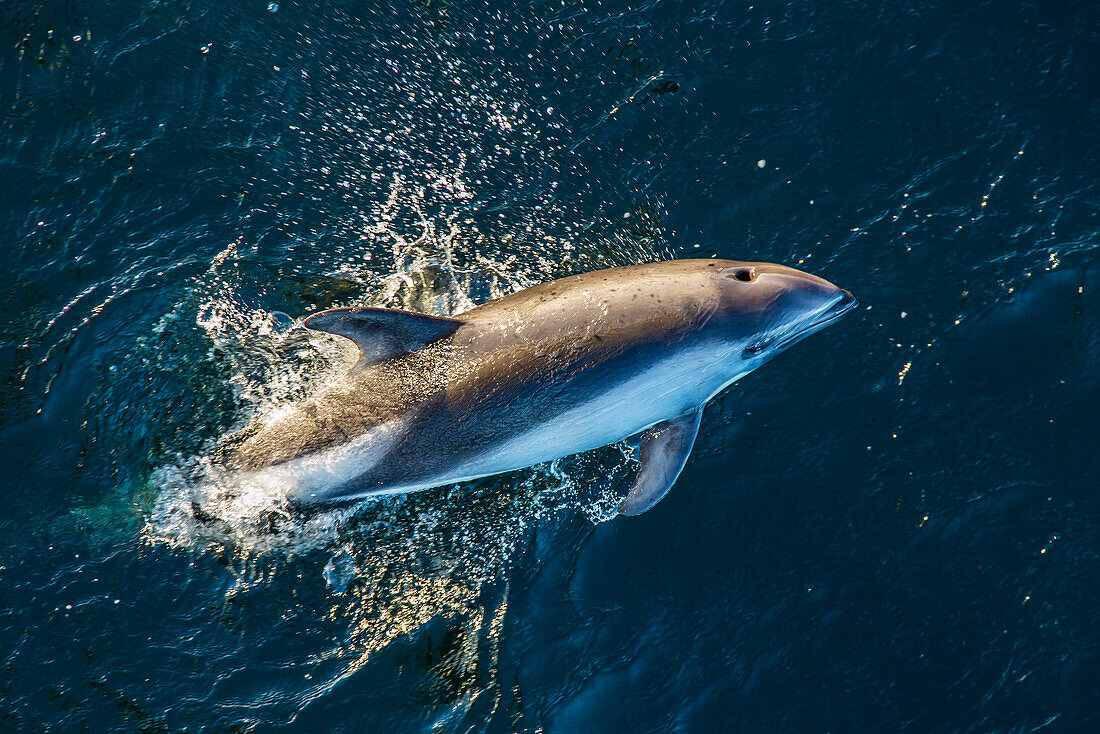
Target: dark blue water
(893,526)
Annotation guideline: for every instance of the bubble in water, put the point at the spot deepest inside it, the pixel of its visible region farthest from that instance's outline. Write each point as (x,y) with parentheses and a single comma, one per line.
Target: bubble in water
(339,570)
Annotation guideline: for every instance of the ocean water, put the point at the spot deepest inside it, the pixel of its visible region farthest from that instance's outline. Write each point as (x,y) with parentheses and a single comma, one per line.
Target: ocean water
(892,526)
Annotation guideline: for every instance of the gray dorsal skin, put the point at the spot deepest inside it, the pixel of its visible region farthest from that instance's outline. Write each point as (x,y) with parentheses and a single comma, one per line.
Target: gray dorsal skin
(382,333)
(661,457)
(556,369)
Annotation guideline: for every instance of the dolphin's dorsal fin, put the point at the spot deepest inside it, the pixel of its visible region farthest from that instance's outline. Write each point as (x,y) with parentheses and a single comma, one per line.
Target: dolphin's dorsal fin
(382,333)
(663,453)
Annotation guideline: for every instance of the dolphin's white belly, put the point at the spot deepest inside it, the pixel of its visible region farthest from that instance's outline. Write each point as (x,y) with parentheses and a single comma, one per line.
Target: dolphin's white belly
(667,389)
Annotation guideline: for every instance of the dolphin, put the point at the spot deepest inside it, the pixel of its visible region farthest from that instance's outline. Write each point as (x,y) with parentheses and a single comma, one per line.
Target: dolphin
(552,370)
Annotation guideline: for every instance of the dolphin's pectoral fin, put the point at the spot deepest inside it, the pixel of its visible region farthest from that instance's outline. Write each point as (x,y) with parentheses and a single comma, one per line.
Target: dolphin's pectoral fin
(382,333)
(664,451)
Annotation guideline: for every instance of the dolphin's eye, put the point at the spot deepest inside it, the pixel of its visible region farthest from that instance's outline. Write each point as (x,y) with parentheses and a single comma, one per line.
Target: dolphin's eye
(745,275)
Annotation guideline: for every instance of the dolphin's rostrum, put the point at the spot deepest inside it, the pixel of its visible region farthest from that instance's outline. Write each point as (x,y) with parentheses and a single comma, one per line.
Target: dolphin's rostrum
(552,370)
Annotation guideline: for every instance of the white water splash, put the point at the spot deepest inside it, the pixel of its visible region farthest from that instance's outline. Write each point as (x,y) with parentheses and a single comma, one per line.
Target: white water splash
(273,362)
(392,564)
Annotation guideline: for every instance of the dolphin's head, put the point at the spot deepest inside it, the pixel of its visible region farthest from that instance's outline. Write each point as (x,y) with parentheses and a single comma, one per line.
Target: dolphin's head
(764,308)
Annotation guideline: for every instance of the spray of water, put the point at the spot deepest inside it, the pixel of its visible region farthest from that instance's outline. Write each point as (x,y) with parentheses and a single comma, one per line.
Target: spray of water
(394,564)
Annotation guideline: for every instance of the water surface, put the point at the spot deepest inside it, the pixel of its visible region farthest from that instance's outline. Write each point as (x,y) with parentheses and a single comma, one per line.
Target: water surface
(891,526)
